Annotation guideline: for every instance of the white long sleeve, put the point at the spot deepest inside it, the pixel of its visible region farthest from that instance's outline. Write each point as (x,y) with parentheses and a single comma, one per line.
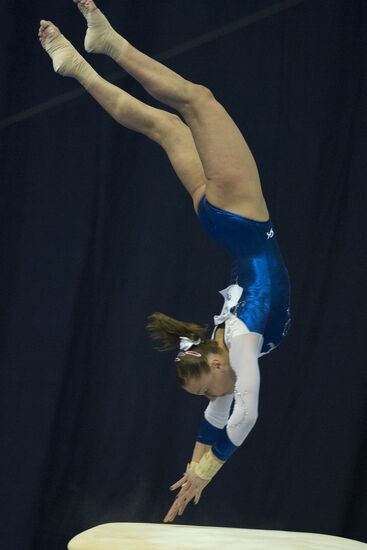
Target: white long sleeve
(217,412)
(227,434)
(243,355)
(244,349)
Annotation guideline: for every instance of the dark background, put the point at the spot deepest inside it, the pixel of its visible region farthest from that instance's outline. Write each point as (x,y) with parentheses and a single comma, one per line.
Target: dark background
(97,233)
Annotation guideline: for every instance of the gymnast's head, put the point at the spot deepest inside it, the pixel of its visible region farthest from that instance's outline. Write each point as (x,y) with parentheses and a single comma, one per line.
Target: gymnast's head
(202,365)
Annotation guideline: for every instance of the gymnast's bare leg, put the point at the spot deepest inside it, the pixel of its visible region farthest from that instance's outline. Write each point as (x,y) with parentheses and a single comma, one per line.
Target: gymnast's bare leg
(166,129)
(231,178)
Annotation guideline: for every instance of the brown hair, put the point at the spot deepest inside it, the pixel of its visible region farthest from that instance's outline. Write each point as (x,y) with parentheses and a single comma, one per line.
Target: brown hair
(167,331)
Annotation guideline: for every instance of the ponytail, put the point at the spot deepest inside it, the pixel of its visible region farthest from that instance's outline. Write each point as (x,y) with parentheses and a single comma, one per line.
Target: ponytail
(167,331)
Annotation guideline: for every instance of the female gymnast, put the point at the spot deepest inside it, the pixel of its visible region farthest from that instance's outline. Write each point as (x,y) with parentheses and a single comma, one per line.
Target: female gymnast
(214,163)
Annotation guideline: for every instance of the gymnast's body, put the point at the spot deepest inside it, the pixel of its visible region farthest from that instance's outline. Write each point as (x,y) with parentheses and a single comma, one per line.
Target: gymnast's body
(212,160)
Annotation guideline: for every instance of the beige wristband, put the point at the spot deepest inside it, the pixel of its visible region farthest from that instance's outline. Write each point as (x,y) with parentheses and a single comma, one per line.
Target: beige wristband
(208,466)
(191,466)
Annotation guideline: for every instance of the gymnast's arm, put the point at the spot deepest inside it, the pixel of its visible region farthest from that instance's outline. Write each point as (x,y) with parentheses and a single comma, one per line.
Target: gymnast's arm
(215,419)
(224,436)
(243,356)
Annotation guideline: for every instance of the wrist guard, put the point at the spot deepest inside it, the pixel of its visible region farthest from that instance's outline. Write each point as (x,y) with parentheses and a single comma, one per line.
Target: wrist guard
(191,466)
(208,466)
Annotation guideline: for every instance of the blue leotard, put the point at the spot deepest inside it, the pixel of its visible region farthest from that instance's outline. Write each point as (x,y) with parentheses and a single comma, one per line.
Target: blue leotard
(258,267)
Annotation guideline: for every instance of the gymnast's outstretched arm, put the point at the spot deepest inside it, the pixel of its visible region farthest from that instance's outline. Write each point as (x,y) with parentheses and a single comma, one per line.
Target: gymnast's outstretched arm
(222,434)
(215,419)
(244,353)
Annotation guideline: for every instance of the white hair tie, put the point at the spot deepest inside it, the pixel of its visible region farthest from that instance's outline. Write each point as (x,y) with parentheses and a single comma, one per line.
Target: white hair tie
(187,343)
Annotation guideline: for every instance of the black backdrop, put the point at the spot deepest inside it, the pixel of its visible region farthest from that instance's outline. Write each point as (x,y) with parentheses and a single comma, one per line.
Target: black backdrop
(97,232)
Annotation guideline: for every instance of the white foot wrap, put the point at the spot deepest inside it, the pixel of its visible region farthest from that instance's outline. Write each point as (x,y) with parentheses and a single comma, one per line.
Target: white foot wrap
(68,62)
(101,37)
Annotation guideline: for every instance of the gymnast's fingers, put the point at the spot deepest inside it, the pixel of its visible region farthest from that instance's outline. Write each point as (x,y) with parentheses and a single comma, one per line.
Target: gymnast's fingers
(169,516)
(183,503)
(197,498)
(178,483)
(172,512)
(185,489)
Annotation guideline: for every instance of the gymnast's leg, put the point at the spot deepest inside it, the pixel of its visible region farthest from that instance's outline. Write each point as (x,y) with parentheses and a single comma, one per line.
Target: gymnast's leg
(231,173)
(167,129)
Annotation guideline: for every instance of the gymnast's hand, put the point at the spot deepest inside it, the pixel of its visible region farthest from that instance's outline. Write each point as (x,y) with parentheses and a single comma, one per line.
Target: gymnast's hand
(191,488)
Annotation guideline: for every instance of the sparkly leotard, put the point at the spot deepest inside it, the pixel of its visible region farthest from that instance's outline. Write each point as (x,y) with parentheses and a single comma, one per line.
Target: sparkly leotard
(258,267)
(255,315)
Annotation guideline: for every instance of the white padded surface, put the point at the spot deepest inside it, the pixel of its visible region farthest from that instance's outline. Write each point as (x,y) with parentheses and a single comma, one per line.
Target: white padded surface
(152,536)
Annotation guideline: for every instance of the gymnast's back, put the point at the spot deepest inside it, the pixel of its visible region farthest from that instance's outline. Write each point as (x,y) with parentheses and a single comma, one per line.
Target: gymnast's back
(258,267)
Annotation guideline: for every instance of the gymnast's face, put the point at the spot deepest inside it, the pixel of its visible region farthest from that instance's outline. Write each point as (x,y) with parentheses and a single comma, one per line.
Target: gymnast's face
(219,381)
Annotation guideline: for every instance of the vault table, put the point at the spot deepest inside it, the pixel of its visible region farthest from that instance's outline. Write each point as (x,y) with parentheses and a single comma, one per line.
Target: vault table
(154,536)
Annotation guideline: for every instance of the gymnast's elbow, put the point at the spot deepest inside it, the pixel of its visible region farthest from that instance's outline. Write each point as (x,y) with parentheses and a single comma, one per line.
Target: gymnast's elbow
(238,432)
(250,422)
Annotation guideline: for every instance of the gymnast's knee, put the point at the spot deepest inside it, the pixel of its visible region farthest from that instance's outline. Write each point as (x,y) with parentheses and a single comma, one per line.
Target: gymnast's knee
(166,127)
(198,95)
(201,93)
